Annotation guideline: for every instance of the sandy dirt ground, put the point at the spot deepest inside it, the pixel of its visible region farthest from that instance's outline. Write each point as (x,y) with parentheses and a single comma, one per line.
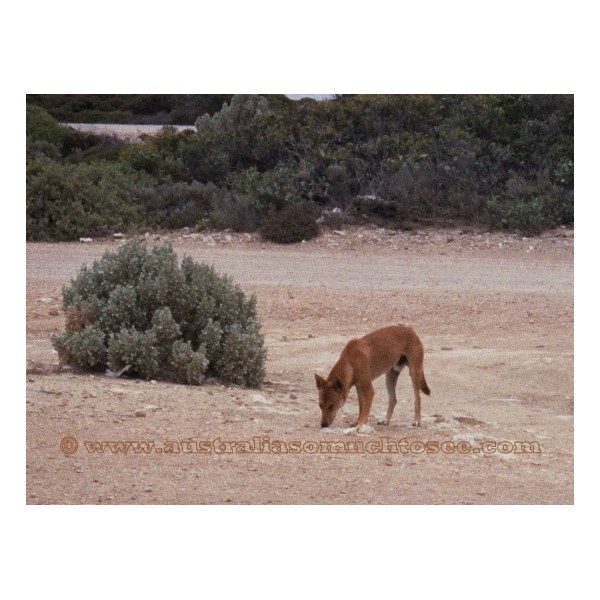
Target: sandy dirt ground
(495,313)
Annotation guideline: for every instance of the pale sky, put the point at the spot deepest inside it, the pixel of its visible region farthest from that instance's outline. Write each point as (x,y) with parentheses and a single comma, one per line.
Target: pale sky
(315,96)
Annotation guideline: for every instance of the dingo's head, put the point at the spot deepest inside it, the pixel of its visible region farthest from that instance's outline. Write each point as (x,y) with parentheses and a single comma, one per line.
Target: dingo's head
(331,398)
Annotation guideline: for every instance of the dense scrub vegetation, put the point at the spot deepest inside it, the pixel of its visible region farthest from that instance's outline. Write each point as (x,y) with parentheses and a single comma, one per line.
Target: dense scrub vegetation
(503,161)
(158,109)
(142,311)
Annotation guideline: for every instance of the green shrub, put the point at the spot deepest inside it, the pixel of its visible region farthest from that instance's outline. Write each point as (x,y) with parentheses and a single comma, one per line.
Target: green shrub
(68,201)
(266,191)
(40,126)
(242,110)
(291,224)
(38,148)
(190,366)
(142,157)
(181,109)
(176,205)
(81,146)
(564,174)
(531,206)
(105,150)
(240,359)
(203,157)
(524,214)
(84,349)
(138,349)
(236,213)
(166,330)
(164,319)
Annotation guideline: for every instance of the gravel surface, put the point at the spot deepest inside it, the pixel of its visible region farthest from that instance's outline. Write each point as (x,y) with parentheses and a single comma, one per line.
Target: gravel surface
(128,133)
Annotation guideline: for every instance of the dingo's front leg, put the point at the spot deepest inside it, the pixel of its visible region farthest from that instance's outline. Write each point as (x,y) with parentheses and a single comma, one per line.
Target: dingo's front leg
(365,399)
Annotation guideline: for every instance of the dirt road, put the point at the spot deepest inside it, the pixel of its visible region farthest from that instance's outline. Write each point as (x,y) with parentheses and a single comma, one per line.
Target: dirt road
(495,313)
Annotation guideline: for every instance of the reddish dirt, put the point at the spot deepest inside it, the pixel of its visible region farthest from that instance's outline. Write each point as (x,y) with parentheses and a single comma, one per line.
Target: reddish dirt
(495,313)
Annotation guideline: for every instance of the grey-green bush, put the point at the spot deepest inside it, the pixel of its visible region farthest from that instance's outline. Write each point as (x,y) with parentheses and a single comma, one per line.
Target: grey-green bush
(83,348)
(243,109)
(179,322)
(138,349)
(189,365)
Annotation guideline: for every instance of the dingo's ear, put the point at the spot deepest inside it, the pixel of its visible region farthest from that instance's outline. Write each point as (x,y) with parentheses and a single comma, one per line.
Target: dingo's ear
(338,386)
(320,381)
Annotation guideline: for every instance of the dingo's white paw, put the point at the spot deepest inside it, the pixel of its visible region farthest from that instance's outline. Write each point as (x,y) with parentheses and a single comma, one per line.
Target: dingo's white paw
(365,429)
(416,423)
(383,422)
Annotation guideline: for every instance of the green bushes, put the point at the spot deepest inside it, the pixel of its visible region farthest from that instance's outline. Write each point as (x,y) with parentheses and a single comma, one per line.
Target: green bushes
(530,214)
(180,322)
(291,224)
(46,137)
(163,109)
(236,213)
(68,201)
(40,126)
(83,348)
(175,205)
(240,112)
(531,207)
(266,191)
(443,160)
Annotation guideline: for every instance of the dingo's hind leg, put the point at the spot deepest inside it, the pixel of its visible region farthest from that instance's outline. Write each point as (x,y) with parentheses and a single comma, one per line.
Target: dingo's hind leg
(391,377)
(417,376)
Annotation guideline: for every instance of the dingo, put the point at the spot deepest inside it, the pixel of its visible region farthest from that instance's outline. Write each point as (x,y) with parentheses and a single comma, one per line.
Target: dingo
(362,360)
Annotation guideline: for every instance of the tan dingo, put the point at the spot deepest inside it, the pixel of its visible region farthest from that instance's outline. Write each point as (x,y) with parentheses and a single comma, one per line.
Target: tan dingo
(362,360)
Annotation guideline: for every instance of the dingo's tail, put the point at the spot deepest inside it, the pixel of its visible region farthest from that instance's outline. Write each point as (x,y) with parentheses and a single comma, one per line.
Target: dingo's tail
(424,387)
